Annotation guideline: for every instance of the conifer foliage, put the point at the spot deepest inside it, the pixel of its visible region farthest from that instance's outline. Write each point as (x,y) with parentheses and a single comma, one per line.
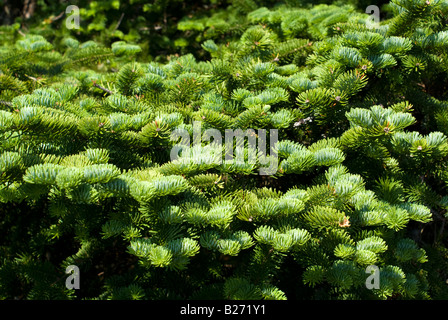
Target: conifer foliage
(87,176)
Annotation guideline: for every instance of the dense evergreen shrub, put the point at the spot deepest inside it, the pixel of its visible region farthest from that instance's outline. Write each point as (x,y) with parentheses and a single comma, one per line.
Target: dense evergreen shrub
(87,175)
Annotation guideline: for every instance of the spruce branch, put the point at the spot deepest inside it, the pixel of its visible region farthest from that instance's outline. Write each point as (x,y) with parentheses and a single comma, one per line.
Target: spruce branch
(6,103)
(96,85)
